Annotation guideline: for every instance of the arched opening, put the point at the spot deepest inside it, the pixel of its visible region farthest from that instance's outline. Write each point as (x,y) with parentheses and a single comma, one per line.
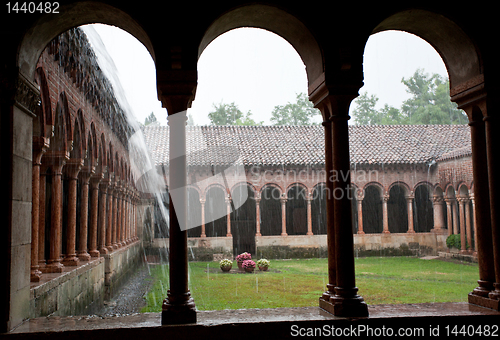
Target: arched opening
(372,210)
(270,211)
(397,209)
(296,210)
(194,208)
(243,220)
(318,209)
(423,212)
(215,212)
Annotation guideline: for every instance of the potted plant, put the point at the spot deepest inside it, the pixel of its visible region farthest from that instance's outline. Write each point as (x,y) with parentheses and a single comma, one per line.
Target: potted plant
(248,266)
(225,265)
(263,264)
(241,258)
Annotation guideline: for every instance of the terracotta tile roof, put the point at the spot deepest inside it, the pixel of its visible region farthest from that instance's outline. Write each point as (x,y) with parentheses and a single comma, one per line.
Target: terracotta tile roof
(297,145)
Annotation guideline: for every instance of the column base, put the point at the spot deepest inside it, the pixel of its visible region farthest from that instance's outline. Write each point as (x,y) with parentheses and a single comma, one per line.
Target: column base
(183,312)
(484,302)
(345,303)
(53,267)
(35,275)
(495,294)
(110,248)
(484,288)
(71,261)
(84,256)
(103,251)
(94,253)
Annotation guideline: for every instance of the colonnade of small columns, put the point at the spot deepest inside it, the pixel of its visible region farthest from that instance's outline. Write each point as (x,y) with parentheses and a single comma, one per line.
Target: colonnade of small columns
(107,211)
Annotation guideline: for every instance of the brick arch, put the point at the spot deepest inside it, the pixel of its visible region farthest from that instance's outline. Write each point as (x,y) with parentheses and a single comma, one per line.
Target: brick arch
(459,53)
(276,185)
(78,141)
(45,119)
(294,184)
(49,26)
(376,184)
(404,185)
(83,130)
(62,121)
(203,193)
(274,20)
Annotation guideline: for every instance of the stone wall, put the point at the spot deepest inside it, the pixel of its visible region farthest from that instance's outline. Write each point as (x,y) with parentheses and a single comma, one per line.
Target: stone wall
(82,290)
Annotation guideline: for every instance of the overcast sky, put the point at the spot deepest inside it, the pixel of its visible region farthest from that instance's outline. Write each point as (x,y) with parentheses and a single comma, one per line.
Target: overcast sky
(258,70)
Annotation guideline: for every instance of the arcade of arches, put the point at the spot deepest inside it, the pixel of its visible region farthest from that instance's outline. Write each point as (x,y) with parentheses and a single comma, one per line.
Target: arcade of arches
(330,43)
(418,190)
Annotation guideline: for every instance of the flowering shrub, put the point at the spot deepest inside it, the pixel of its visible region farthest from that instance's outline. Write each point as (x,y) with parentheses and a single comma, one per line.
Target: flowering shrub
(225,263)
(263,263)
(243,257)
(248,264)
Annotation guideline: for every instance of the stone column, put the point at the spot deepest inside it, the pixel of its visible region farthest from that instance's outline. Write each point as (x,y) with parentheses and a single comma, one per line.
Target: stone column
(483,213)
(54,264)
(176,91)
(438,214)
(257,216)
(202,202)
(228,215)
(121,217)
(346,301)
(283,215)
(475,224)
(360,212)
(330,228)
(72,169)
(456,221)
(94,207)
(409,200)
(449,215)
(116,225)
(385,214)
(309,217)
(492,142)
(85,174)
(41,229)
(461,202)
(109,214)
(467,225)
(103,188)
(38,151)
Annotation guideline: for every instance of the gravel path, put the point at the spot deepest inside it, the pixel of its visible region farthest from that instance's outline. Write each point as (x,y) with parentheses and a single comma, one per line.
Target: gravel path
(130,298)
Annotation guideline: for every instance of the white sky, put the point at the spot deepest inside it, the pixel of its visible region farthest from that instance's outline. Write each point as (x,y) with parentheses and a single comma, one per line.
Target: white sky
(258,70)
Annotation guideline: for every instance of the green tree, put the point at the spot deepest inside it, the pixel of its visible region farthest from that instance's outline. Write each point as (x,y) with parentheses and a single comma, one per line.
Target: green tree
(230,114)
(299,113)
(429,104)
(150,119)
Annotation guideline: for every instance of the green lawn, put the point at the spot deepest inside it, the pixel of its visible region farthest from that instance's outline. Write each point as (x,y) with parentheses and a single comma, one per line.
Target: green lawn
(298,283)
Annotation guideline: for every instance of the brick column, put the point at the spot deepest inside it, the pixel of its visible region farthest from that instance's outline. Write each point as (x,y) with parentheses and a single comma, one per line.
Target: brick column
(54,264)
(257,216)
(85,174)
(409,200)
(346,301)
(385,215)
(72,169)
(176,91)
(38,151)
(283,215)
(94,207)
(309,217)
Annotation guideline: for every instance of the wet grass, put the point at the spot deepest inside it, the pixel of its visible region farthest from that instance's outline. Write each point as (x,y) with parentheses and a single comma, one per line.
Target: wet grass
(299,283)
